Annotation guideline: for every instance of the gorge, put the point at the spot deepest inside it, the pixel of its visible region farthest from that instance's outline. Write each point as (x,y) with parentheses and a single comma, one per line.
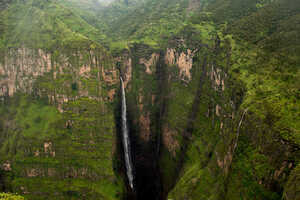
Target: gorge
(150,99)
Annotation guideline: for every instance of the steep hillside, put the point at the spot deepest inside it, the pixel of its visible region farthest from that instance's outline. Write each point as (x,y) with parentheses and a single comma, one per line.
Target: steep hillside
(57,119)
(43,24)
(212,91)
(267,145)
(259,62)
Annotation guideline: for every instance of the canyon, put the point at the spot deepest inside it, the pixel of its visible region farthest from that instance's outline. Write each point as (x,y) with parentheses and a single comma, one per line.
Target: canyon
(178,103)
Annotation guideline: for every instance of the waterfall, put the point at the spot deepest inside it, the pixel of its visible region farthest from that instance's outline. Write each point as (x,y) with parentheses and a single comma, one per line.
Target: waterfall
(126,140)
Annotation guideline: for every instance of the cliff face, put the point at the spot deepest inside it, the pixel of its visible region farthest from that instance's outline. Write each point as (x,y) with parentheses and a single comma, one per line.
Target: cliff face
(191,118)
(188,96)
(191,137)
(20,68)
(57,123)
(213,108)
(185,116)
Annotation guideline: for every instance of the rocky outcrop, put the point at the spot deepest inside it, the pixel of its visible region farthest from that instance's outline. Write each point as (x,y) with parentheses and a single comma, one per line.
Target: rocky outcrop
(183,60)
(170,141)
(22,67)
(125,64)
(150,64)
(218,77)
(128,71)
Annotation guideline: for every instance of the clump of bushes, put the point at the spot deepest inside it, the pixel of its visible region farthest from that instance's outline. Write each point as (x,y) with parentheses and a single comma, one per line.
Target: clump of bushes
(7,196)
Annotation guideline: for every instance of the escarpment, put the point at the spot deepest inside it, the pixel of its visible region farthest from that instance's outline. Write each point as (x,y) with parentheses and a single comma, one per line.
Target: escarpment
(184,120)
(185,94)
(57,113)
(70,71)
(189,121)
(168,99)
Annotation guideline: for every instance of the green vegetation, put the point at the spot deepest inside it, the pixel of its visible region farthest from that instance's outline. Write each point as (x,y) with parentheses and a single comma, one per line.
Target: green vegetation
(54,160)
(231,131)
(46,25)
(265,59)
(7,196)
(60,155)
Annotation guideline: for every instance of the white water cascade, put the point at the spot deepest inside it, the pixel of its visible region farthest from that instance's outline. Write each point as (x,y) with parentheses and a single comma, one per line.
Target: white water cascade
(126,140)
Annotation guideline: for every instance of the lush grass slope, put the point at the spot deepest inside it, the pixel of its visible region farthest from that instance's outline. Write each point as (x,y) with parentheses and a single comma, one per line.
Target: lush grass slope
(47,25)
